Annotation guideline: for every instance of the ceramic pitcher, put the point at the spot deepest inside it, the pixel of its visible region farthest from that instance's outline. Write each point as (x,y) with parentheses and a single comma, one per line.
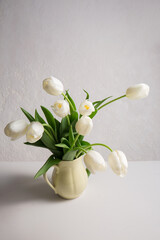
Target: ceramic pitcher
(69,178)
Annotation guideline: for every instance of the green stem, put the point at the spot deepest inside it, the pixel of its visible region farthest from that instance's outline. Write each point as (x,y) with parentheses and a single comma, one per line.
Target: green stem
(68,101)
(100,144)
(75,140)
(80,153)
(111,101)
(81,150)
(68,120)
(94,144)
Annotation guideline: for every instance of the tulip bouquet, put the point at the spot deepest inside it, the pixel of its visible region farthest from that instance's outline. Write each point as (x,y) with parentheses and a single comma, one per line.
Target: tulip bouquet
(65,138)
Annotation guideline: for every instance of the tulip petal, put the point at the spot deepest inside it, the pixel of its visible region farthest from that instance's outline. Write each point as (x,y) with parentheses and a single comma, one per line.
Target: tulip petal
(34,132)
(137,91)
(86,108)
(94,161)
(53,86)
(61,108)
(84,125)
(118,162)
(16,129)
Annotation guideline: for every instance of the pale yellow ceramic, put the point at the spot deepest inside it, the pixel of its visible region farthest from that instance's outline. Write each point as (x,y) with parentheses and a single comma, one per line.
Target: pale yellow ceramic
(69,178)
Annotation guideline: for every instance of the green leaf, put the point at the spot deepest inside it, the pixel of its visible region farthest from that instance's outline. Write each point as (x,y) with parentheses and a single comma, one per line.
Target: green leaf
(95,102)
(48,142)
(88,172)
(64,126)
(73,119)
(80,138)
(39,143)
(62,145)
(28,115)
(98,103)
(65,141)
(71,136)
(38,117)
(57,123)
(70,155)
(67,134)
(57,154)
(93,113)
(49,163)
(78,143)
(50,119)
(85,143)
(71,100)
(73,126)
(87,97)
(73,116)
(58,128)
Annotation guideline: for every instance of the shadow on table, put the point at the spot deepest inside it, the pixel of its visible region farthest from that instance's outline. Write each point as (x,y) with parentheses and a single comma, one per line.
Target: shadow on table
(19,189)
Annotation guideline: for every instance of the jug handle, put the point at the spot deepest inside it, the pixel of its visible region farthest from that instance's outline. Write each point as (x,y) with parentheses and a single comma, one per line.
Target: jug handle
(47,180)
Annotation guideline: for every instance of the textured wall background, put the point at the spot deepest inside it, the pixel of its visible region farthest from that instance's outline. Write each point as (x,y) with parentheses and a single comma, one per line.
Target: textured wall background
(101,46)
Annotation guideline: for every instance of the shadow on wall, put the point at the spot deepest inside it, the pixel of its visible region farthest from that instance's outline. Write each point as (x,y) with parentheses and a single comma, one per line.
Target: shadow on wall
(19,189)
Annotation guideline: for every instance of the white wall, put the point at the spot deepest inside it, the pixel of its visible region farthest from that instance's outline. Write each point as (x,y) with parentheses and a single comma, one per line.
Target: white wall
(101,46)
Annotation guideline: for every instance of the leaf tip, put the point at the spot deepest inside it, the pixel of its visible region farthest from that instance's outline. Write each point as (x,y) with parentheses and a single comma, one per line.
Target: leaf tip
(35,177)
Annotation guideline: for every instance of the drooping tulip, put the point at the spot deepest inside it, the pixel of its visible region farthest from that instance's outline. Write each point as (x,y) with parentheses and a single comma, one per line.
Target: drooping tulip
(61,108)
(94,161)
(137,91)
(84,125)
(16,129)
(118,162)
(53,86)
(86,108)
(34,132)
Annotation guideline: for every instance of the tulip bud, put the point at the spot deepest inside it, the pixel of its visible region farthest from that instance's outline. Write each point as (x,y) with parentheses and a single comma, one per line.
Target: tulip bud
(53,86)
(137,91)
(118,162)
(86,108)
(34,132)
(84,125)
(94,161)
(61,108)
(16,129)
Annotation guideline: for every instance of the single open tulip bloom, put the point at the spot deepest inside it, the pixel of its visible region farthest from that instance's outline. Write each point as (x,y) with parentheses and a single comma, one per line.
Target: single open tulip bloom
(61,108)
(34,132)
(94,161)
(137,91)
(16,129)
(118,162)
(84,125)
(53,86)
(86,108)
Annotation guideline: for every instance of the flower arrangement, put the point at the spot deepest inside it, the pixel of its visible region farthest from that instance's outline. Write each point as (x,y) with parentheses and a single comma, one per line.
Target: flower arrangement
(65,138)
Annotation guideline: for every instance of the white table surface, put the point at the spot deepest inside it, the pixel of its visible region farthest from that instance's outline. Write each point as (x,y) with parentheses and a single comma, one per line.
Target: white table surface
(110,208)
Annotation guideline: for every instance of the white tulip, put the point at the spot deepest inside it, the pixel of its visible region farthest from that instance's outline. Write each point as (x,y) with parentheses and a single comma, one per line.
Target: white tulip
(137,91)
(34,132)
(16,129)
(53,86)
(86,108)
(61,108)
(118,162)
(84,125)
(94,161)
